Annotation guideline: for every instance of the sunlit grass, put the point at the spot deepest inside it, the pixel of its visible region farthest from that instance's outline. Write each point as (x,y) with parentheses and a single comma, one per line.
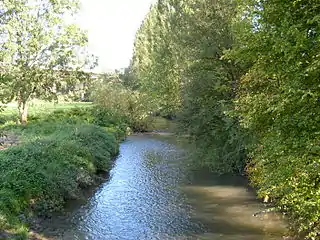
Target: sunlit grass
(38,107)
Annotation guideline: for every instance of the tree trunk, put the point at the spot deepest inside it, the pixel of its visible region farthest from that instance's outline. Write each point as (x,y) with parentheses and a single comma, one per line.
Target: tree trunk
(23,112)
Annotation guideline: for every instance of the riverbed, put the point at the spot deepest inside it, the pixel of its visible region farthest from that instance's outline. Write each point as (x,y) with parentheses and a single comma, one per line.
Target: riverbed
(154,192)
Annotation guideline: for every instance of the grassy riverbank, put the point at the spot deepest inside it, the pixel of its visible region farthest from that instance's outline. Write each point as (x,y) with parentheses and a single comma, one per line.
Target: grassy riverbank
(38,109)
(58,154)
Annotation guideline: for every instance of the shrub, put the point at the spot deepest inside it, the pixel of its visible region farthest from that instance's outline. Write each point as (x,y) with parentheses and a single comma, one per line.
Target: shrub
(46,124)
(53,166)
(132,107)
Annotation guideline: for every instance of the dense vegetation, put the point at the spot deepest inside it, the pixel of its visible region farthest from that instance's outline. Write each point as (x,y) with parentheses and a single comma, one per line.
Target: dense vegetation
(40,52)
(135,107)
(58,155)
(55,154)
(243,79)
(177,60)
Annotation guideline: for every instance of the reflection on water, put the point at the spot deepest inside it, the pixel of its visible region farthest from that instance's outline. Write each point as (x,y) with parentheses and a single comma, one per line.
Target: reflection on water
(225,206)
(152,194)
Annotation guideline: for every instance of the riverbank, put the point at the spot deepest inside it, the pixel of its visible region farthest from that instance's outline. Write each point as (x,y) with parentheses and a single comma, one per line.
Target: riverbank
(154,192)
(58,156)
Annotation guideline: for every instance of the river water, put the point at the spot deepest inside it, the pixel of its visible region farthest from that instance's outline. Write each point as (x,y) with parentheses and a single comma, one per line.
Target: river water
(153,192)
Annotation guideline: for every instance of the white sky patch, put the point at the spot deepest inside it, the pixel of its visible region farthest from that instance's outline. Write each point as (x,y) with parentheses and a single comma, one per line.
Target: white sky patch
(111,26)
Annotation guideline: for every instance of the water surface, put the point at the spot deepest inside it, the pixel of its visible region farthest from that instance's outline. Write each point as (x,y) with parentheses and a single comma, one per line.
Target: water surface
(154,193)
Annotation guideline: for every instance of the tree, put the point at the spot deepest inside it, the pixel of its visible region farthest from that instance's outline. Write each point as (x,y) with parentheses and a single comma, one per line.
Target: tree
(39,49)
(121,102)
(128,78)
(154,62)
(244,76)
(278,41)
(178,60)
(210,84)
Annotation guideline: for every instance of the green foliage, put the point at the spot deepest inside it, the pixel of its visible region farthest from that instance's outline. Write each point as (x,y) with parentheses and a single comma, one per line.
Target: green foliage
(115,101)
(154,64)
(38,50)
(278,43)
(52,165)
(113,122)
(206,112)
(45,123)
(38,109)
(207,119)
(178,62)
(59,153)
(244,78)
(128,78)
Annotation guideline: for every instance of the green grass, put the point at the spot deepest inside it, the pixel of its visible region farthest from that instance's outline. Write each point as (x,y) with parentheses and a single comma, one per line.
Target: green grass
(60,152)
(52,167)
(38,108)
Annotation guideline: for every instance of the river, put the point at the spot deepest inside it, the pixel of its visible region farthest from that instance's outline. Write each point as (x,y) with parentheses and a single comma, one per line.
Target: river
(154,192)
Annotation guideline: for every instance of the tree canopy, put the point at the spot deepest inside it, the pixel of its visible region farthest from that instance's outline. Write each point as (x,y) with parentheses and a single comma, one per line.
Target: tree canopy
(38,48)
(178,60)
(243,78)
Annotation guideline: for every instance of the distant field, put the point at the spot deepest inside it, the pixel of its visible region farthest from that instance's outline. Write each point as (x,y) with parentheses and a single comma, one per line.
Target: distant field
(37,107)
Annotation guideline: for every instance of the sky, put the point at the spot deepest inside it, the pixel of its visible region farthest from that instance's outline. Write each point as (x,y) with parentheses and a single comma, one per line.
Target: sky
(111,26)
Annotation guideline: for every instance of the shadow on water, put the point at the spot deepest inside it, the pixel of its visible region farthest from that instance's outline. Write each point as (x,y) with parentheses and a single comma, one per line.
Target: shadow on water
(152,193)
(225,206)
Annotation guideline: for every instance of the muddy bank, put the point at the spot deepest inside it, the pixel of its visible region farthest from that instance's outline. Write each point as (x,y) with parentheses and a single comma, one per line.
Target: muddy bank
(7,140)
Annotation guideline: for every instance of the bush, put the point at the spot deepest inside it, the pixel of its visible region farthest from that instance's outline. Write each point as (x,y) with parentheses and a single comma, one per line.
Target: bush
(207,117)
(120,103)
(52,166)
(45,124)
